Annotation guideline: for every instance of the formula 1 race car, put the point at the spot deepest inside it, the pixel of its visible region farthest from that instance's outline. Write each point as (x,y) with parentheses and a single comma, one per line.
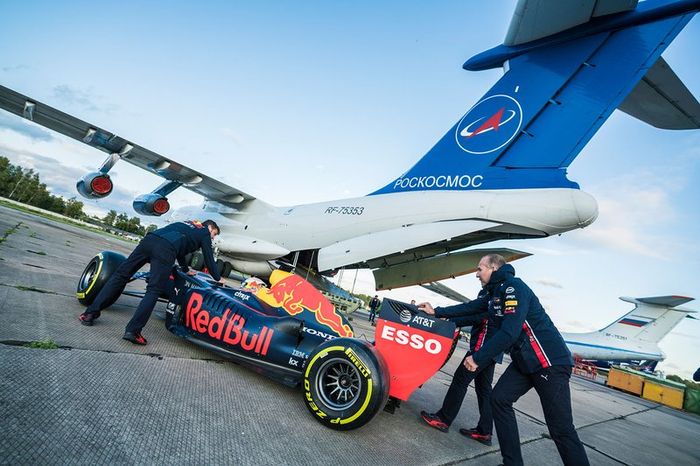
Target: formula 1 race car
(292,333)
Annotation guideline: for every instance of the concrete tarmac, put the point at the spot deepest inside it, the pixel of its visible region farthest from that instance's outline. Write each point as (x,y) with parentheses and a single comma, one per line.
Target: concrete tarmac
(101,400)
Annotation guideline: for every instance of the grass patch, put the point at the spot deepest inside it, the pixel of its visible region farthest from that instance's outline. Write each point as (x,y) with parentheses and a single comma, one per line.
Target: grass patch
(9,231)
(42,344)
(31,288)
(33,235)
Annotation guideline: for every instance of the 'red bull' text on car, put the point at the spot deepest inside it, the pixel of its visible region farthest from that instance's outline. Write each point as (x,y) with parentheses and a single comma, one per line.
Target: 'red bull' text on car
(292,333)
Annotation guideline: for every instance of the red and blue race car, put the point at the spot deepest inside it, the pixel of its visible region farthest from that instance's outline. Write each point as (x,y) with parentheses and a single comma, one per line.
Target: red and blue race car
(290,332)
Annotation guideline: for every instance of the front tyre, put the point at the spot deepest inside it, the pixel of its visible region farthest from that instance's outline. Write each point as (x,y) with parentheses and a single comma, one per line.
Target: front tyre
(345,383)
(96,274)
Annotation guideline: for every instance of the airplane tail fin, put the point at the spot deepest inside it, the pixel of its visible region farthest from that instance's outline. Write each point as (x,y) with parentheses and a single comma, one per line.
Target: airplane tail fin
(651,319)
(558,89)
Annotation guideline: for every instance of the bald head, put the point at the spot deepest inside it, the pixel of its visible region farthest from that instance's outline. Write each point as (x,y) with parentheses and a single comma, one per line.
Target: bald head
(487,265)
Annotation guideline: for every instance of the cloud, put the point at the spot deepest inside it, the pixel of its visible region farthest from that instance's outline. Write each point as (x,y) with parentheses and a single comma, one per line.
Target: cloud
(231,135)
(24,127)
(81,98)
(550,283)
(12,68)
(634,208)
(578,326)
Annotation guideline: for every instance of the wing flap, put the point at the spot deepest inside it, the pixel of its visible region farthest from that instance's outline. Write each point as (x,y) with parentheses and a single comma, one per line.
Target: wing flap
(382,243)
(662,100)
(437,268)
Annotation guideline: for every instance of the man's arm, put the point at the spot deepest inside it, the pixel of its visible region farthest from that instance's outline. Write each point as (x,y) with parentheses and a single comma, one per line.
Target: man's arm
(472,319)
(209,258)
(183,263)
(477,306)
(514,314)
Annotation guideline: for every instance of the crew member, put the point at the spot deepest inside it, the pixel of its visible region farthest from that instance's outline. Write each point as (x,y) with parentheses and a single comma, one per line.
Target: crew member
(540,359)
(160,248)
(483,377)
(373,306)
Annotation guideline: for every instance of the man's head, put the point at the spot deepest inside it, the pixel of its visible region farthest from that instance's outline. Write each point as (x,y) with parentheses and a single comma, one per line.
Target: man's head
(488,265)
(213,228)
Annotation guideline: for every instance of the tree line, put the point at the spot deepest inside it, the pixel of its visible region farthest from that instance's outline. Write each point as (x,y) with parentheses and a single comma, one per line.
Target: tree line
(24,185)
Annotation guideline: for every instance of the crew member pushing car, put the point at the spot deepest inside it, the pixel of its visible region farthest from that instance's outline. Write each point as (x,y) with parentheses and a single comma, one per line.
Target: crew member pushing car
(540,359)
(160,248)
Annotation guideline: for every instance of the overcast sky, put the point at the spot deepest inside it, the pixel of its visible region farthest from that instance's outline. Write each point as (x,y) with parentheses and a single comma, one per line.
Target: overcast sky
(298,102)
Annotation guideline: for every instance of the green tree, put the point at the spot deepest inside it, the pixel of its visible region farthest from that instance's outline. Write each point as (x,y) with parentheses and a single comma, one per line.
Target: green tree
(74,209)
(121,221)
(110,217)
(134,226)
(151,228)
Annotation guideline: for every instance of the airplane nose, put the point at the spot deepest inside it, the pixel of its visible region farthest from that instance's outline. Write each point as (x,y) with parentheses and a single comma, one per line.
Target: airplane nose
(586,208)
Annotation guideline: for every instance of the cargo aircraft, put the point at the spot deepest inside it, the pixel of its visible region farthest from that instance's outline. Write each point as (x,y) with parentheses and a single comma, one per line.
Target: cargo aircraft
(500,172)
(635,335)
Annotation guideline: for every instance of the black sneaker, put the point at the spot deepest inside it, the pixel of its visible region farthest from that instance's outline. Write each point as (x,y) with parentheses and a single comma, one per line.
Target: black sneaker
(468,432)
(135,338)
(481,438)
(87,318)
(433,420)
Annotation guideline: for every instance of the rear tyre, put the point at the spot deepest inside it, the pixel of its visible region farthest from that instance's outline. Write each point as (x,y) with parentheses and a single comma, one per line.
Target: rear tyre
(96,274)
(197,261)
(345,383)
(220,267)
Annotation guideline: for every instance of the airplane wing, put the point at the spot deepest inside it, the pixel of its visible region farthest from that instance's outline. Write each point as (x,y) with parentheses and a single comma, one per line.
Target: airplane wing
(122,149)
(535,19)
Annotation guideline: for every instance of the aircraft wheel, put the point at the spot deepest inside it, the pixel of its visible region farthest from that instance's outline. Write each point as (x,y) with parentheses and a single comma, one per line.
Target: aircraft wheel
(96,274)
(345,383)
(227,269)
(220,266)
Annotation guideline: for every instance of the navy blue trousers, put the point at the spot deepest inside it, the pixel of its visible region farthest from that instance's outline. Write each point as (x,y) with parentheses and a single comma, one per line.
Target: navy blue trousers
(552,385)
(482,377)
(161,255)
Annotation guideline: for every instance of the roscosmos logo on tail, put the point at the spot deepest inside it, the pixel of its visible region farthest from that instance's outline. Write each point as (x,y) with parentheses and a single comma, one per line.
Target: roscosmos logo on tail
(294,295)
(489,125)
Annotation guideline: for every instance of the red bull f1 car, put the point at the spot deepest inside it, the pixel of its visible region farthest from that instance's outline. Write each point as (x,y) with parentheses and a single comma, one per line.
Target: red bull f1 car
(292,333)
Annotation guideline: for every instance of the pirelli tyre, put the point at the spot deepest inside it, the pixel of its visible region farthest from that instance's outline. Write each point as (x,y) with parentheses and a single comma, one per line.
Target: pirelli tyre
(345,383)
(96,274)
(197,260)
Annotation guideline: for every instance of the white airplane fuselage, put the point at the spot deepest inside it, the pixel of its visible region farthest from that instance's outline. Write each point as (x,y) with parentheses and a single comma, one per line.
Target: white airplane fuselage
(606,346)
(264,233)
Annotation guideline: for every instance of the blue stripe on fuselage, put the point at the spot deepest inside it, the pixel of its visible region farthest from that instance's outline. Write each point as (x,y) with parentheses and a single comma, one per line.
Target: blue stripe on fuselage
(612,348)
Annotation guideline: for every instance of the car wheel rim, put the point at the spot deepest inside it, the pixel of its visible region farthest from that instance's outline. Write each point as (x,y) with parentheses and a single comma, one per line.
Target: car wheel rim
(89,273)
(338,384)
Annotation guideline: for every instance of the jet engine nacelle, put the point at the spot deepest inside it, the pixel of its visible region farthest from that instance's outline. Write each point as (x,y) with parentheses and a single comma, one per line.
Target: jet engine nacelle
(95,185)
(151,204)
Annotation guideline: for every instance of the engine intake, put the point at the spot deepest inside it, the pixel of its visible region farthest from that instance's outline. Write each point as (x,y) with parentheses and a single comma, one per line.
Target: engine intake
(151,204)
(95,185)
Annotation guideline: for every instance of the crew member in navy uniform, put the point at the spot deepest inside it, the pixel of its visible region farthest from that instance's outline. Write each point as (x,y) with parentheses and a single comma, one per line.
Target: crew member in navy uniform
(483,377)
(540,359)
(373,307)
(160,248)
